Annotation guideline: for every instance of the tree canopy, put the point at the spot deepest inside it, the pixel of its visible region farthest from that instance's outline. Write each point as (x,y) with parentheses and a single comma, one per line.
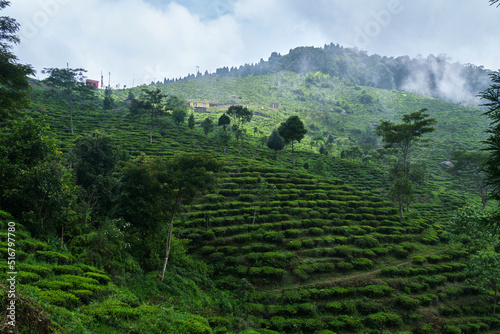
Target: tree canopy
(292,130)
(14,85)
(492,163)
(275,142)
(71,81)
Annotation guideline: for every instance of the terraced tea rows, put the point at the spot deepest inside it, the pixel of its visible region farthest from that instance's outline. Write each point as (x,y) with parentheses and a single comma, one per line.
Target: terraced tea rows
(324,255)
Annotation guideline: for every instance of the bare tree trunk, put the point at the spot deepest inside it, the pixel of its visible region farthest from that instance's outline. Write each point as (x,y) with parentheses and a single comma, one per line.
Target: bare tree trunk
(151,135)
(293,158)
(169,237)
(167,246)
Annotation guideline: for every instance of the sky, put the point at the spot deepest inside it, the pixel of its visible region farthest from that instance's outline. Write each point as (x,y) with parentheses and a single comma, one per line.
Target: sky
(133,42)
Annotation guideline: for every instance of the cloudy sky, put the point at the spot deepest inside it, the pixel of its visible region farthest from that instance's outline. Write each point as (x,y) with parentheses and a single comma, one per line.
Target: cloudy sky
(138,41)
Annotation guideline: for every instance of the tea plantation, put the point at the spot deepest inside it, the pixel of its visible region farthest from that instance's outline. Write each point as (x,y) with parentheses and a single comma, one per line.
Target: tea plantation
(319,249)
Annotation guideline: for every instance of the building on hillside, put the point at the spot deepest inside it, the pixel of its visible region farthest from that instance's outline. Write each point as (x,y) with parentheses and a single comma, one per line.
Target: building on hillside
(92,83)
(199,105)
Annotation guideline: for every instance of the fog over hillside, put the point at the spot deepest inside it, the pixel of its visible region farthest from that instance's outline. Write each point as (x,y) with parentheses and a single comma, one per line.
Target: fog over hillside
(433,76)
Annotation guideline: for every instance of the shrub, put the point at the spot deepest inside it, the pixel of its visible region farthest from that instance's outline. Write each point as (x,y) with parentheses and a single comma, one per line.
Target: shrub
(300,273)
(111,311)
(419,260)
(406,302)
(428,299)
(366,241)
(450,329)
(103,279)
(376,290)
(59,298)
(308,308)
(316,231)
(369,307)
(334,307)
(363,263)
(27,277)
(294,244)
(382,319)
(51,256)
(344,266)
(292,233)
(67,269)
(399,252)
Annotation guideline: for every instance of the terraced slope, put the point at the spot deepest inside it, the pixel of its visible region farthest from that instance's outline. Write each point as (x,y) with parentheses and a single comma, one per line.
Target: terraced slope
(324,255)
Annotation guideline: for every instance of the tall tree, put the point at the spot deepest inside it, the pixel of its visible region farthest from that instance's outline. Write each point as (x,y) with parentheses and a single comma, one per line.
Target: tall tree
(207,125)
(108,102)
(470,164)
(179,115)
(185,176)
(275,142)
(292,130)
(224,138)
(150,107)
(483,272)
(14,86)
(241,115)
(403,138)
(224,120)
(71,81)
(470,227)
(492,163)
(34,185)
(95,159)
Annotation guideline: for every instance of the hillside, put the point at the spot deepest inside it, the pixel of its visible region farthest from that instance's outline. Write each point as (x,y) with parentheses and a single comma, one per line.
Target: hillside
(433,76)
(321,250)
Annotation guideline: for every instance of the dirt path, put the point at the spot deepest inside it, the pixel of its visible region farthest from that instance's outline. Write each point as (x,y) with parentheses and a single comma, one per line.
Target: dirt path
(344,278)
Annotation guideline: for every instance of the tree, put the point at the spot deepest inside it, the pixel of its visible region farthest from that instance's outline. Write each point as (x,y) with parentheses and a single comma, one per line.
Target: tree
(275,142)
(34,185)
(71,81)
(207,125)
(191,121)
(95,160)
(150,107)
(292,130)
(470,164)
(483,272)
(224,138)
(14,85)
(108,102)
(241,116)
(179,115)
(185,176)
(401,190)
(403,138)
(492,163)
(352,152)
(471,227)
(224,120)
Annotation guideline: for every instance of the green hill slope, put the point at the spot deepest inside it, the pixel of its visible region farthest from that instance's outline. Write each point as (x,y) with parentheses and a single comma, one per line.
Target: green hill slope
(327,252)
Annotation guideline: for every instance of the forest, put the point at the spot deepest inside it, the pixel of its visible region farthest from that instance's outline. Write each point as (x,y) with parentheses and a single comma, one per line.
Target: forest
(316,193)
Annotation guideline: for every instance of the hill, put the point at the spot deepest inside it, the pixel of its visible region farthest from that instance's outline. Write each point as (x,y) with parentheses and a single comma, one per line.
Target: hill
(433,76)
(320,250)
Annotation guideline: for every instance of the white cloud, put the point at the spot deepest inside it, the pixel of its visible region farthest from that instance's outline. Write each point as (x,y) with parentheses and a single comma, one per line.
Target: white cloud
(144,40)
